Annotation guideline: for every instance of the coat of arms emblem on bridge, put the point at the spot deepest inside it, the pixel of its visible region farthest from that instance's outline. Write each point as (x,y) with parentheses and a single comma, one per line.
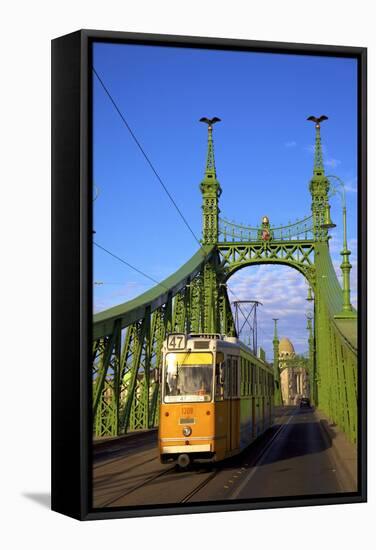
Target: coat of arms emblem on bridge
(265,229)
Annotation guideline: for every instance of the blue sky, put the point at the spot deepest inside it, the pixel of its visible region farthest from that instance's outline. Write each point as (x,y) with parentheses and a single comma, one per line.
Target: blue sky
(264,159)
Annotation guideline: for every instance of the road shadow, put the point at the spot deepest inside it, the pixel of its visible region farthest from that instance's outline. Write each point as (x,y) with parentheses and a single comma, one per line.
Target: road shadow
(300,438)
(304,435)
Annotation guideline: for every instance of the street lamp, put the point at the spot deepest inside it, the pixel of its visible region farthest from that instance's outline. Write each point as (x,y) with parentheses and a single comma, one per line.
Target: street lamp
(347,309)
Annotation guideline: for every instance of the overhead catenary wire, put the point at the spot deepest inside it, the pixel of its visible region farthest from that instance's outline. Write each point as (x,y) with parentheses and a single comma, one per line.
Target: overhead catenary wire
(100,283)
(233,293)
(130,265)
(146,156)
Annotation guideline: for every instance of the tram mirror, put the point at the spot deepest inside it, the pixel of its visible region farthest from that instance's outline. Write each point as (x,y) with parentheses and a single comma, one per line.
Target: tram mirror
(220,357)
(156,374)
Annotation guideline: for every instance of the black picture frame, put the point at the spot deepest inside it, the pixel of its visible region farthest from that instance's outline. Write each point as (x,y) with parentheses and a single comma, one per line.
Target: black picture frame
(72,269)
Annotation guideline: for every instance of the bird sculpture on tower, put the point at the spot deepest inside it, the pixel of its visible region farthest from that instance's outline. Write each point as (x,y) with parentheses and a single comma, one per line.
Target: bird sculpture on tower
(317,120)
(210,121)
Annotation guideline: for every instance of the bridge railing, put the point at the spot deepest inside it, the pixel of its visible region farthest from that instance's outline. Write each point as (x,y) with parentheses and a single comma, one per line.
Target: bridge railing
(128,338)
(336,348)
(235,232)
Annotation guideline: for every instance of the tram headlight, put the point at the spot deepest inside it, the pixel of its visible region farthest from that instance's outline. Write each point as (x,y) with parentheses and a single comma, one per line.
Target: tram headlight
(187,431)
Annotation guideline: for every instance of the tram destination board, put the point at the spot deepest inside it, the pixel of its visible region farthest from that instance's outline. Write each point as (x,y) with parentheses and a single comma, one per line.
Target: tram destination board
(209,327)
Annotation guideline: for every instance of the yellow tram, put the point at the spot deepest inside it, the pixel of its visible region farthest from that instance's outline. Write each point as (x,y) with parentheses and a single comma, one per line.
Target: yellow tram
(216,398)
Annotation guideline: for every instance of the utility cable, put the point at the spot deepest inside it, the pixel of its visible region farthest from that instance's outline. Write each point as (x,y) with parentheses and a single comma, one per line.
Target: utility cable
(130,265)
(145,155)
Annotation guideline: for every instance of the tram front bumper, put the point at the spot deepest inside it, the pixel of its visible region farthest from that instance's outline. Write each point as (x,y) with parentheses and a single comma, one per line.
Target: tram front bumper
(176,449)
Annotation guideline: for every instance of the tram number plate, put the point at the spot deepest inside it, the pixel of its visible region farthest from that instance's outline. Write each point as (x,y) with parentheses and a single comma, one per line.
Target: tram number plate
(176,341)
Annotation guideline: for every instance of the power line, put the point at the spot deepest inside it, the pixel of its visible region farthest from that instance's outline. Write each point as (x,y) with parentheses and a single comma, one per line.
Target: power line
(145,155)
(100,283)
(233,293)
(130,265)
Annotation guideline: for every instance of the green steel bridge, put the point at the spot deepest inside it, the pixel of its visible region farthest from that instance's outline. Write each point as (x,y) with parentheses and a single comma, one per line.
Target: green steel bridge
(127,339)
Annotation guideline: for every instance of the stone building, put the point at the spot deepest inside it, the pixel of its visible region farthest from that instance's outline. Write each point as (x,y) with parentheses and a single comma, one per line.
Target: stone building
(294,380)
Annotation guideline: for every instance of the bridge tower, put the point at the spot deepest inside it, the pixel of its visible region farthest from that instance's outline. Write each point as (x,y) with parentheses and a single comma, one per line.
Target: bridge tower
(319,186)
(214,294)
(127,339)
(211,191)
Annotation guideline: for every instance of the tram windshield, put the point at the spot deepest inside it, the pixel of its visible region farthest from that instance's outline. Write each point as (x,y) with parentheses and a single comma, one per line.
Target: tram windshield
(188,377)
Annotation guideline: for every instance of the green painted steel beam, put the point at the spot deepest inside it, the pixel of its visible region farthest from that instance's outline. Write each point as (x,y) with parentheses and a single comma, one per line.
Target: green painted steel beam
(128,338)
(133,310)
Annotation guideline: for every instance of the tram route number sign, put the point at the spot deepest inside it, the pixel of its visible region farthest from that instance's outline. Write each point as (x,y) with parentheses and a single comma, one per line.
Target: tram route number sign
(176,341)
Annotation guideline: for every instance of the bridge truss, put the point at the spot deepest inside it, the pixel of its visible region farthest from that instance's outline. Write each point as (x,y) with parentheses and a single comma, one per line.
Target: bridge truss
(127,339)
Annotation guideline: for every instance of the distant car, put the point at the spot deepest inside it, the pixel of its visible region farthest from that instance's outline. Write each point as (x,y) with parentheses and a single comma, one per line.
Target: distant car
(304,402)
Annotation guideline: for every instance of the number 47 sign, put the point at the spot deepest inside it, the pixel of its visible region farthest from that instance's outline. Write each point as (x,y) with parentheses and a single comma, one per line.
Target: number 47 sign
(176,341)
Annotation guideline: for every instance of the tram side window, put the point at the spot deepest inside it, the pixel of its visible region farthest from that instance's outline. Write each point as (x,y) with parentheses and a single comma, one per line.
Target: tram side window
(228,378)
(242,376)
(245,377)
(233,377)
(220,378)
(234,391)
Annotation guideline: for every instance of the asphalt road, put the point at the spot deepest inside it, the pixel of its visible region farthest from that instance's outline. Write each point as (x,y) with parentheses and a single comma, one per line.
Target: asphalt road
(293,458)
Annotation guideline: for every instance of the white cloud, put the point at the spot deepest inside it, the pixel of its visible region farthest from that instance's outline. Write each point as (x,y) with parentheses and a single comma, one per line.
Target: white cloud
(290,144)
(283,293)
(106,296)
(309,149)
(351,186)
(332,162)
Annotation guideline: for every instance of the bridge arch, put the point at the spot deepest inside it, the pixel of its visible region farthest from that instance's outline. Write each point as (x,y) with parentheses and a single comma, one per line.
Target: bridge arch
(307,272)
(195,299)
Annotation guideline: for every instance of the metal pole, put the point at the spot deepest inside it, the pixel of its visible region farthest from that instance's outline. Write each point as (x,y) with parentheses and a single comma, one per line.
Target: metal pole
(347,309)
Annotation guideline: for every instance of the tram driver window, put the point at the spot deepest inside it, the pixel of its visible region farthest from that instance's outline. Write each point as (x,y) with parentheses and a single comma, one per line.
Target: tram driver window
(219,376)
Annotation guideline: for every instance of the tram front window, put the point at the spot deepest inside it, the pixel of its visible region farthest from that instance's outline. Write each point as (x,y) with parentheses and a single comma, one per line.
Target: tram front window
(188,377)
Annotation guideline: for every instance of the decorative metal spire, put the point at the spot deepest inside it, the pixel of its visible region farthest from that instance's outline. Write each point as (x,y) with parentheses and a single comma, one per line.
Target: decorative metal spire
(210,162)
(211,190)
(319,186)
(318,168)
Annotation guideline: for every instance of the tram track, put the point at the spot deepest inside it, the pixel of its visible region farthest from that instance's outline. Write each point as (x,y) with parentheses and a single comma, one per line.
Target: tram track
(248,462)
(151,479)
(199,487)
(119,459)
(137,487)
